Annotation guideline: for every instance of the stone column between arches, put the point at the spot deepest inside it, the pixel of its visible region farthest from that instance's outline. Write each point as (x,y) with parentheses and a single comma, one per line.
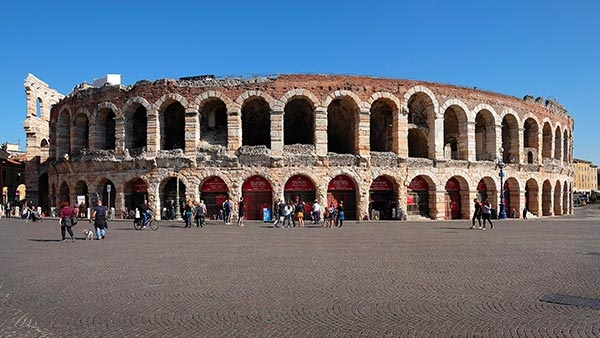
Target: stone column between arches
(277,134)
(321,131)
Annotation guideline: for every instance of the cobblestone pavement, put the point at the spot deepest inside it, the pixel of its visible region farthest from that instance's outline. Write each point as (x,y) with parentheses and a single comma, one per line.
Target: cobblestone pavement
(380,279)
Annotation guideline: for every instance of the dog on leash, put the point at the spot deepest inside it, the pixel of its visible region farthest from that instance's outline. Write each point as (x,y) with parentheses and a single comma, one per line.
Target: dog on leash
(89,234)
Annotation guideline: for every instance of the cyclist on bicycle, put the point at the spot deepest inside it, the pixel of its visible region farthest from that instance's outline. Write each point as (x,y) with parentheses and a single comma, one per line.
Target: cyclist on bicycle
(145,213)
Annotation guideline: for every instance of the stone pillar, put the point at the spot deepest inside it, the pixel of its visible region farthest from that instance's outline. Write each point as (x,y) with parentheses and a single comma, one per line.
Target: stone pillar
(362,142)
(119,135)
(277,134)
(400,131)
(436,138)
(437,199)
(234,131)
(321,131)
(471,146)
(153,135)
(119,201)
(192,133)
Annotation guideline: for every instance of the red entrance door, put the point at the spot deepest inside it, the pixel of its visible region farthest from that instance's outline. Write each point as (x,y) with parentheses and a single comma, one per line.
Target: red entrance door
(453,201)
(258,195)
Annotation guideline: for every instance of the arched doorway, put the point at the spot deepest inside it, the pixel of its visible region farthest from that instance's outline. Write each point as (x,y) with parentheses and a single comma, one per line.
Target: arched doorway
(531,196)
(258,194)
(342,188)
(300,188)
(214,192)
(382,199)
(108,193)
(65,193)
(417,198)
(482,193)
(512,198)
(547,198)
(453,203)
(135,194)
(169,193)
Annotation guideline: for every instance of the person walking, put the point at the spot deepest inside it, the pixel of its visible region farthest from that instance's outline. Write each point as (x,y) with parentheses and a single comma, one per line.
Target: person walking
(316,211)
(241,212)
(227,211)
(486,209)
(300,213)
(200,214)
(289,214)
(525,213)
(280,214)
(99,217)
(476,214)
(188,210)
(65,220)
(341,214)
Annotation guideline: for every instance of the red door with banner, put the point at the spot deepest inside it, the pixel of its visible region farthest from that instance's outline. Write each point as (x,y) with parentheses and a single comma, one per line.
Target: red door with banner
(214,192)
(417,198)
(341,188)
(300,188)
(258,194)
(382,199)
(453,199)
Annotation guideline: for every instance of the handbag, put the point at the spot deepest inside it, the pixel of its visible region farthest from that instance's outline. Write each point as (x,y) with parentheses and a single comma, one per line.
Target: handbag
(73,220)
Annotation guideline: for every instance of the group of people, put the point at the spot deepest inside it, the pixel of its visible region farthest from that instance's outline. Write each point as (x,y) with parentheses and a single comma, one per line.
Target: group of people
(228,208)
(194,212)
(68,217)
(482,210)
(287,213)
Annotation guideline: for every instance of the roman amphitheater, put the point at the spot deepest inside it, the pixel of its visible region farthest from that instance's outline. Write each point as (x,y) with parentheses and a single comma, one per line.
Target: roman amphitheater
(380,145)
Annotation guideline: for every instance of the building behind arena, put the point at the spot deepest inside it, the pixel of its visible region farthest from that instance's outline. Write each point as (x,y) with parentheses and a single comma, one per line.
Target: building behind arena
(380,145)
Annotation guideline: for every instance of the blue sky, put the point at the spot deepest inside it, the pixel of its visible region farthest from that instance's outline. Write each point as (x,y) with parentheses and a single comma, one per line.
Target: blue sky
(542,48)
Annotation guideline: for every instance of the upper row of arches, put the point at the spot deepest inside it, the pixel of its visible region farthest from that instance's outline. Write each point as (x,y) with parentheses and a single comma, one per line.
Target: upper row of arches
(416,126)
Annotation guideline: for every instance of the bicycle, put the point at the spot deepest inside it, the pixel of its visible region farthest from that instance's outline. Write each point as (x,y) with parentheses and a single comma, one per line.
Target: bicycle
(150,222)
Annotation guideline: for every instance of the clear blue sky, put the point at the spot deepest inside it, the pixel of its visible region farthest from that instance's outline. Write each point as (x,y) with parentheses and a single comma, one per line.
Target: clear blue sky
(547,48)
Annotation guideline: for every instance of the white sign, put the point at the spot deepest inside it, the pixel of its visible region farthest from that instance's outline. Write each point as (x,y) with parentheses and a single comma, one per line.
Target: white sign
(81,199)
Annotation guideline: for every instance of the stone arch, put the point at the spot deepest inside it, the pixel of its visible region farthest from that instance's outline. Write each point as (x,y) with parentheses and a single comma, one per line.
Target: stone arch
(510,138)
(485,136)
(532,196)
(558,198)
(382,119)
(422,110)
(171,116)
(299,118)
(135,191)
(565,199)
(63,132)
(342,123)
(496,118)
(512,197)
(64,193)
(456,137)
(487,189)
(342,94)
(256,120)
(530,139)
(104,134)
(547,140)
(257,191)
(295,93)
(421,195)
(244,97)
(547,198)
(425,91)
(135,113)
(383,197)
(81,130)
(210,95)
(558,141)
(213,121)
(457,199)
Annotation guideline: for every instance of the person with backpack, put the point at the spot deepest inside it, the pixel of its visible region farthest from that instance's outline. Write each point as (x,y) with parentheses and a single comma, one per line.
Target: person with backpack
(99,217)
(200,214)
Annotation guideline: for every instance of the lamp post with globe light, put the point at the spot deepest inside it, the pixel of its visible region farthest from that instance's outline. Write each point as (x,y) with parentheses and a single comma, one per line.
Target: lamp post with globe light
(501,165)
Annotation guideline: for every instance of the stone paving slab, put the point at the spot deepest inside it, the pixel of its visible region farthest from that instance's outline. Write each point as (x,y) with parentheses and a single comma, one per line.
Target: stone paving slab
(385,279)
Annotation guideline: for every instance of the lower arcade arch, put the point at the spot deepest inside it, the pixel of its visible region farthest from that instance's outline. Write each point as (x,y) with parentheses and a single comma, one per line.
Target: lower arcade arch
(106,192)
(135,193)
(565,198)
(558,198)
(512,198)
(383,197)
(258,196)
(300,188)
(547,198)
(171,189)
(419,194)
(343,188)
(532,196)
(456,198)
(214,191)
(486,190)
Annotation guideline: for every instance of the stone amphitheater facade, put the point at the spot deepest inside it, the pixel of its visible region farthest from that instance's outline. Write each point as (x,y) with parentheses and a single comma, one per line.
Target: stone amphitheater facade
(378,144)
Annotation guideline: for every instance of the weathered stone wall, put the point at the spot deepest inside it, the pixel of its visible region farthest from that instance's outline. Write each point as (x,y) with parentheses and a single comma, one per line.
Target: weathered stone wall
(234,162)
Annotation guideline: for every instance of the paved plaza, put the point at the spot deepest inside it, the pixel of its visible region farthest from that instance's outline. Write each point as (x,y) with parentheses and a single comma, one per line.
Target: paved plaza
(367,279)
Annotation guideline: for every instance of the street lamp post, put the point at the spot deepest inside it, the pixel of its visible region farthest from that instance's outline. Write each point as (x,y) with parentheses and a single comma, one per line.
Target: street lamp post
(501,165)
(108,189)
(177,167)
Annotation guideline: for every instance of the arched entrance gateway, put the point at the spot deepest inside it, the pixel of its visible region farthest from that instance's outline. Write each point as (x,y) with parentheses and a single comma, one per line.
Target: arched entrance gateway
(300,188)
(452,199)
(342,188)
(258,194)
(213,192)
(417,197)
(512,198)
(136,192)
(382,199)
